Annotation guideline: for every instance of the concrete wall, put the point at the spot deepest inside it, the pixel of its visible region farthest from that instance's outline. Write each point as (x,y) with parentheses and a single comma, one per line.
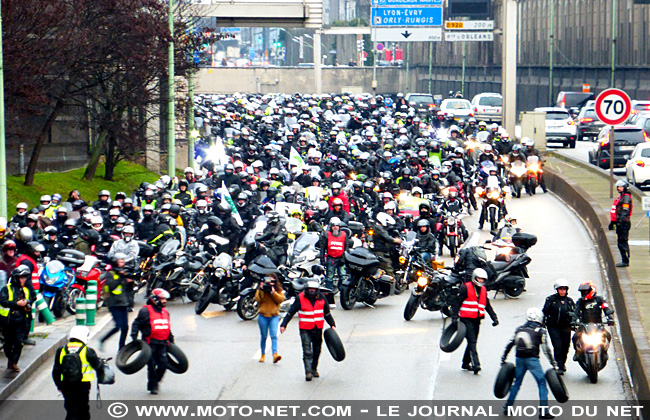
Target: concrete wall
(295,79)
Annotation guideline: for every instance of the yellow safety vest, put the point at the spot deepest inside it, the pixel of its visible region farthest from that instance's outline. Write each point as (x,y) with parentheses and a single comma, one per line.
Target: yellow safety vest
(4,312)
(86,370)
(117,290)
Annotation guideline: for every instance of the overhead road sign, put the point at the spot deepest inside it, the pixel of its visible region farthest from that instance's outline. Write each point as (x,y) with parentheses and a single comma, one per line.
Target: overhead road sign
(613,106)
(469,36)
(407,2)
(469,25)
(407,16)
(407,34)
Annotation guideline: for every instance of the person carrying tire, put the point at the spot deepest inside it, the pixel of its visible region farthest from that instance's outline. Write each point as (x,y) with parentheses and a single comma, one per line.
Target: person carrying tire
(117,299)
(559,315)
(73,371)
(471,304)
(153,322)
(16,300)
(619,217)
(269,296)
(313,310)
(528,339)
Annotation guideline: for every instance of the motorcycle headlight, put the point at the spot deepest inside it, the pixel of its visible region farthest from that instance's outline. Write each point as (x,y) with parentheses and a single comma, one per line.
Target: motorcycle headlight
(479,190)
(534,167)
(518,170)
(220,272)
(451,221)
(242,250)
(592,339)
(423,281)
(48,280)
(402,260)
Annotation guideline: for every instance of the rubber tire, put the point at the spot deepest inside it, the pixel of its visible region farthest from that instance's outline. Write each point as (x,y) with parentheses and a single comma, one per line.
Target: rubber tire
(452,249)
(411,307)
(177,361)
(347,301)
(194,294)
(493,219)
(504,380)
(334,344)
(514,292)
(452,337)
(204,301)
(592,368)
(246,301)
(557,386)
(130,367)
(59,306)
(78,293)
(572,144)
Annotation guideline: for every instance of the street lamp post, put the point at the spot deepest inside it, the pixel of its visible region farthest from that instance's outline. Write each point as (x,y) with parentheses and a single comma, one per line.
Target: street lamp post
(3,160)
(171,128)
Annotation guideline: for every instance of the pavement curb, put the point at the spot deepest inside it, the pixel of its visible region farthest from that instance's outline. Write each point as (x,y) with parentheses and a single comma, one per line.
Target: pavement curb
(635,341)
(50,351)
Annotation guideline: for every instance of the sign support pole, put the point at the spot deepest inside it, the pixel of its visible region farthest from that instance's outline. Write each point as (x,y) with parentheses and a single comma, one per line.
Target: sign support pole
(611,163)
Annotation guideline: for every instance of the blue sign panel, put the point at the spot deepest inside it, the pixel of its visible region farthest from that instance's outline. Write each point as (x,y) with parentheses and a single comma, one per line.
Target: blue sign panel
(407,16)
(230,30)
(407,2)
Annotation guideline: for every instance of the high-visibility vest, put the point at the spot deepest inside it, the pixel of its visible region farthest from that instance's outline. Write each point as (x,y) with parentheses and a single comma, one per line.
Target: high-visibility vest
(117,290)
(160,327)
(86,370)
(335,244)
(612,211)
(311,316)
(473,307)
(35,277)
(4,312)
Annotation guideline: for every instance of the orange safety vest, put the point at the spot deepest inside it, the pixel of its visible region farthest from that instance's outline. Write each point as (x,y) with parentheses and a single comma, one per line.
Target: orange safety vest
(473,307)
(612,212)
(36,283)
(335,244)
(311,316)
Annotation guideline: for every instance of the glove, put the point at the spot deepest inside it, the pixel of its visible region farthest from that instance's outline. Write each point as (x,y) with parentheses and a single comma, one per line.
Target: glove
(495,323)
(503,360)
(610,322)
(611,225)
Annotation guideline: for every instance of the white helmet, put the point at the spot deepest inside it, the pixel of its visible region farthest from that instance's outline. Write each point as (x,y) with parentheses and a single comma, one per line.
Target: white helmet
(79,332)
(385,220)
(97,220)
(535,315)
(257,164)
(189,170)
(390,206)
(479,273)
(561,283)
(416,190)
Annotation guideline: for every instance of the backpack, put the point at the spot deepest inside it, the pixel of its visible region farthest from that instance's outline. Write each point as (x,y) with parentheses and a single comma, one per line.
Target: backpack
(71,366)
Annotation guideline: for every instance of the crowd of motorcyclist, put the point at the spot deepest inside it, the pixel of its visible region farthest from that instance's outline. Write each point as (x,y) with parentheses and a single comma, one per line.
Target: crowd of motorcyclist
(327,161)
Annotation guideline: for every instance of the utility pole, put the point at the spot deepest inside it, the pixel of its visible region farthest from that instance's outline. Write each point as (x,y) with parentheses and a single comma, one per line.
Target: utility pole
(318,71)
(462,83)
(614,24)
(551,46)
(189,126)
(430,63)
(171,127)
(509,69)
(3,159)
(408,58)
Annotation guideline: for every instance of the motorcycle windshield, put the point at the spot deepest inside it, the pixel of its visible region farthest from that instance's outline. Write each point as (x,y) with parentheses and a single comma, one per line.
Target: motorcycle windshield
(493,182)
(410,236)
(305,241)
(293,225)
(170,247)
(223,260)
(532,159)
(53,267)
(258,227)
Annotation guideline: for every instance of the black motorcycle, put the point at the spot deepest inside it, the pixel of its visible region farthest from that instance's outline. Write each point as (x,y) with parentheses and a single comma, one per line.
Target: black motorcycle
(434,291)
(592,346)
(223,285)
(366,282)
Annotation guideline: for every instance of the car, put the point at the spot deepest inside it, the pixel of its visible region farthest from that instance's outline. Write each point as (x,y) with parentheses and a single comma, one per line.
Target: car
(641,120)
(488,107)
(460,108)
(637,168)
(423,102)
(588,125)
(560,127)
(573,101)
(640,106)
(626,137)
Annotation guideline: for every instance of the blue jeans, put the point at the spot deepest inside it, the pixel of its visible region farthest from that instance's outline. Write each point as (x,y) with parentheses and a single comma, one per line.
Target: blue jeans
(426,257)
(522,365)
(334,266)
(268,325)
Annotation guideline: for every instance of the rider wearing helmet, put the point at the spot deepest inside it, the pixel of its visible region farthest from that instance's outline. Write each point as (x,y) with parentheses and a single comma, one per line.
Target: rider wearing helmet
(590,309)
(126,246)
(337,210)
(558,316)
(153,321)
(51,244)
(471,305)
(275,239)
(528,339)
(425,241)
(183,194)
(383,240)
(16,299)
(620,215)
(20,218)
(333,244)
(103,202)
(528,149)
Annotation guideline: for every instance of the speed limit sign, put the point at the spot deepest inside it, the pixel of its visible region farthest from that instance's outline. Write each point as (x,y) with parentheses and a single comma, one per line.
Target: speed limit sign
(613,106)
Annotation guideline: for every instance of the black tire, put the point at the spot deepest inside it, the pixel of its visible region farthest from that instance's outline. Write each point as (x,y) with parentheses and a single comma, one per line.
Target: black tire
(400,286)
(504,380)
(411,307)
(592,368)
(334,344)
(348,297)
(247,308)
(129,367)
(446,310)
(194,294)
(452,337)
(178,362)
(572,144)
(518,188)
(514,291)
(204,301)
(493,219)
(452,248)
(557,386)
(73,294)
(58,306)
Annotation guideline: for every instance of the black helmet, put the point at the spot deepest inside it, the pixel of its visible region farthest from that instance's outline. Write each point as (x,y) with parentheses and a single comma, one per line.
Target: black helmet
(20,271)
(274,218)
(424,206)
(214,222)
(175,209)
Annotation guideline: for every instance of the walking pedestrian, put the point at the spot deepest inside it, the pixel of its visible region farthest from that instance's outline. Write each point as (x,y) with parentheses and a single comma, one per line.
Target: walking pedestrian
(559,316)
(16,301)
(117,299)
(269,296)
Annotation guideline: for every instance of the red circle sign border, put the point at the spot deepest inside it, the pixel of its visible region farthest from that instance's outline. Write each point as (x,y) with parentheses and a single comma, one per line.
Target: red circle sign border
(620,93)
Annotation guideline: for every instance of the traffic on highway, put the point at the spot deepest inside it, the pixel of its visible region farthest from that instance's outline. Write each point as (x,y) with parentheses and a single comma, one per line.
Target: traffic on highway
(324,247)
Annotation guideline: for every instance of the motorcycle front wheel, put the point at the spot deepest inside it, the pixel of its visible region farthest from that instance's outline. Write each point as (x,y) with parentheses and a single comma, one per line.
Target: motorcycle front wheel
(247,308)
(204,300)
(514,291)
(493,219)
(592,367)
(59,306)
(411,307)
(452,247)
(348,297)
(73,295)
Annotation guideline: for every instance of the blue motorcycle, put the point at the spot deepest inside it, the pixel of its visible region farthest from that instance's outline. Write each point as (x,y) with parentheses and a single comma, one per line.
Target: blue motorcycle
(55,286)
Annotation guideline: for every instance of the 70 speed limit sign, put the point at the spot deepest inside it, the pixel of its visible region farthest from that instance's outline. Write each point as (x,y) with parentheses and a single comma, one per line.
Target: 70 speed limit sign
(613,106)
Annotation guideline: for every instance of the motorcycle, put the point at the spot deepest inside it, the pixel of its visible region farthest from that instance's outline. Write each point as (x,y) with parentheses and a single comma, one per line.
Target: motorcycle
(402,275)
(518,170)
(493,201)
(55,286)
(171,268)
(303,255)
(197,273)
(593,345)
(222,287)
(533,174)
(366,282)
(452,233)
(434,291)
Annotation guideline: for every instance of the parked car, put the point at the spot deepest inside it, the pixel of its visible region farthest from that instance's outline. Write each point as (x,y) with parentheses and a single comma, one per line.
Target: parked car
(488,107)
(460,108)
(626,137)
(637,168)
(560,127)
(588,125)
(573,101)
(423,102)
(641,120)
